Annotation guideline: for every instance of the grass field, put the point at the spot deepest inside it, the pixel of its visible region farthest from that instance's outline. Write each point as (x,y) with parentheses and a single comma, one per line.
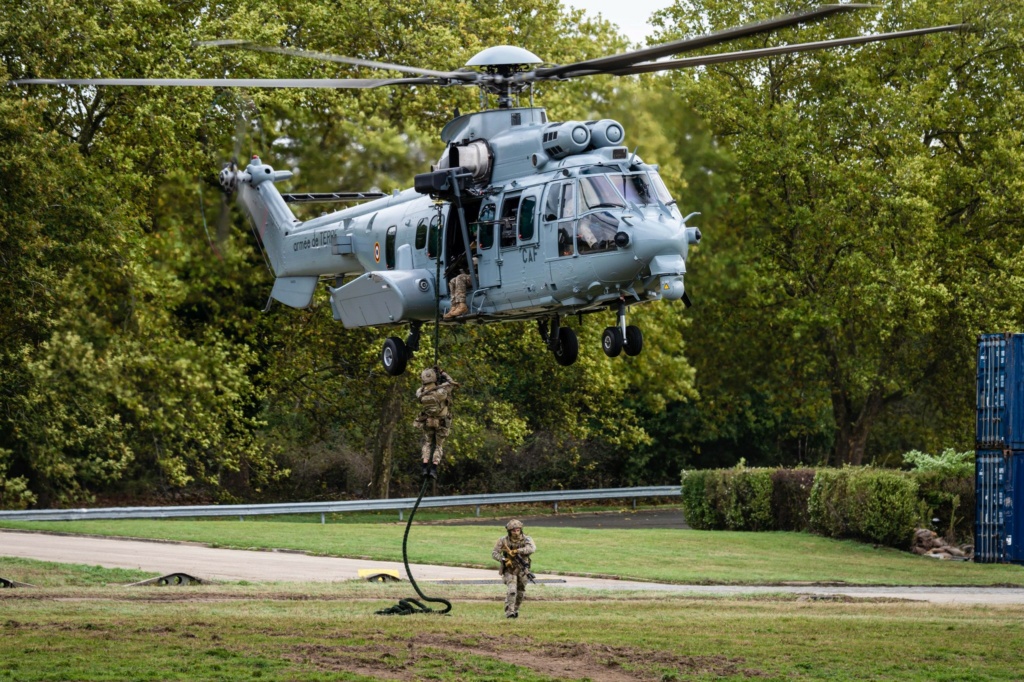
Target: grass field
(678,556)
(82,624)
(330,632)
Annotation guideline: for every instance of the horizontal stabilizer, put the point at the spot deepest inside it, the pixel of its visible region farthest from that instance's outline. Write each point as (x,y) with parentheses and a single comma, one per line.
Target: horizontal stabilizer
(296,292)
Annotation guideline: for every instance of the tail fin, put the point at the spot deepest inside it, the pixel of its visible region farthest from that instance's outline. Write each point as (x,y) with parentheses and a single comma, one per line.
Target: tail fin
(264,205)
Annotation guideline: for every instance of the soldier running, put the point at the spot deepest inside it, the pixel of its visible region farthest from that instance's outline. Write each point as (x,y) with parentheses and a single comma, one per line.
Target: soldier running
(435,417)
(513,553)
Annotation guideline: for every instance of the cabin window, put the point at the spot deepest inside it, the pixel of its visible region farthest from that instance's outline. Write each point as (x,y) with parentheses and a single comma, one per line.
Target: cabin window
(596,191)
(421,234)
(485,226)
(509,216)
(389,247)
(434,238)
(527,216)
(595,232)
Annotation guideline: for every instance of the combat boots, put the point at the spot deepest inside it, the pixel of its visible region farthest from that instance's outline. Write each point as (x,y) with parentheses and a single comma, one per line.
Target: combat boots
(426,470)
(456,310)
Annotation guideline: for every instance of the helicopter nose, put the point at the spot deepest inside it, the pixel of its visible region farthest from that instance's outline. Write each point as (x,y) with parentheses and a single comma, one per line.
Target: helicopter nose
(656,238)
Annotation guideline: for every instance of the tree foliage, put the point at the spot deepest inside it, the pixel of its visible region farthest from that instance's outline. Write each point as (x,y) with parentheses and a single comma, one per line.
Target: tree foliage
(860,209)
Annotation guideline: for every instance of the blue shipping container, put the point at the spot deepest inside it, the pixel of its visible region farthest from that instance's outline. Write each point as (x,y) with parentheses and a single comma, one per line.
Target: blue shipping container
(1000,406)
(998,531)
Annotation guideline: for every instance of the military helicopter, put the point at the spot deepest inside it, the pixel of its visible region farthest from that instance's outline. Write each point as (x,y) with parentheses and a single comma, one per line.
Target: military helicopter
(550,219)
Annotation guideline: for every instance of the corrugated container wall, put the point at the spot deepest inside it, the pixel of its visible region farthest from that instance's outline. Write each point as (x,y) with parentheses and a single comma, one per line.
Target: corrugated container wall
(1000,408)
(998,531)
(999,461)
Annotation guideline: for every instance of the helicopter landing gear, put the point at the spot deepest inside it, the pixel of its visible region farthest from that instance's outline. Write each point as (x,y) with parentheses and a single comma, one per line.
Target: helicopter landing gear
(561,341)
(394,356)
(612,341)
(634,341)
(620,338)
(397,353)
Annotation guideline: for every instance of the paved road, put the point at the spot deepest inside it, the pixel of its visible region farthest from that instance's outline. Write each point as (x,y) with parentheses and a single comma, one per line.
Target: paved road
(231,564)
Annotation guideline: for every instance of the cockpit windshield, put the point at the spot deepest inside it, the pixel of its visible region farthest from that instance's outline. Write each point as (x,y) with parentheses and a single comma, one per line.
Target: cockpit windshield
(634,187)
(641,188)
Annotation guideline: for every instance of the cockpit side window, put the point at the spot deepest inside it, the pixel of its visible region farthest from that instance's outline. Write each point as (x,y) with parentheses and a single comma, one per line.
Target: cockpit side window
(595,232)
(661,189)
(568,200)
(552,202)
(596,191)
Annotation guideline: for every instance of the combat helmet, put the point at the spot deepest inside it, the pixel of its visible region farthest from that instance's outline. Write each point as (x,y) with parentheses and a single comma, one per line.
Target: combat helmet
(428,376)
(513,524)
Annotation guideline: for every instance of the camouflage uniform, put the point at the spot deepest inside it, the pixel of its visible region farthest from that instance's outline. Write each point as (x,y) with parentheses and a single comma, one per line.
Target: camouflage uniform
(435,417)
(459,285)
(513,575)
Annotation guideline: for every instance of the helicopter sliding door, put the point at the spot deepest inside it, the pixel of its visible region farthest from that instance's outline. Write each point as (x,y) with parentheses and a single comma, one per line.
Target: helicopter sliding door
(557,238)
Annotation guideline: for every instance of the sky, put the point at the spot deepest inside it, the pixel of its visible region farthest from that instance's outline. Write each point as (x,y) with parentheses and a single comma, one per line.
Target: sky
(630,15)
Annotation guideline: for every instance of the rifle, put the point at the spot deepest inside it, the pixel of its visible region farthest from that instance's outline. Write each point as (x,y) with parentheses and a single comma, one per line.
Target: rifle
(522,562)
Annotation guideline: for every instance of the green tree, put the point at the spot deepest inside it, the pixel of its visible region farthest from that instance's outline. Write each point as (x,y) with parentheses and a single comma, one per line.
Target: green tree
(870,230)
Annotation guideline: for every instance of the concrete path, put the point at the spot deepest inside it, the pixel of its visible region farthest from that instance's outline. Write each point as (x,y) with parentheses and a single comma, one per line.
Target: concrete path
(282,566)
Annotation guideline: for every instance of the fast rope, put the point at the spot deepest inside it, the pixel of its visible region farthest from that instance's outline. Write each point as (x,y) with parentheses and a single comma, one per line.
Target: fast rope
(407,607)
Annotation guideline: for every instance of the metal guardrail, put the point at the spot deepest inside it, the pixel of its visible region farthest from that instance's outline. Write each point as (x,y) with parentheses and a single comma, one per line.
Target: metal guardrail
(322,508)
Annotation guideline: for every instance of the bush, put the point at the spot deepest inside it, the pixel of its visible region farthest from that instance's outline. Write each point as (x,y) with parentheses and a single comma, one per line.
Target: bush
(875,505)
(791,490)
(732,499)
(950,499)
(827,511)
(697,506)
(949,462)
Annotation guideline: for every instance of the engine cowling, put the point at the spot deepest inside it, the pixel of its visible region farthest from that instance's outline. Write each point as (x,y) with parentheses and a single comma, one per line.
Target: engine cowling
(565,139)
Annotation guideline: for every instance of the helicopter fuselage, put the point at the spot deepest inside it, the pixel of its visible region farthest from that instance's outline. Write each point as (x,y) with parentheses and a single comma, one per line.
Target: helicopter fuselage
(547,235)
(546,219)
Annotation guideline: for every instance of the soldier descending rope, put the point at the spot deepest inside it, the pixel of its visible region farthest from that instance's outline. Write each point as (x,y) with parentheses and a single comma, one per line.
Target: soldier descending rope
(435,417)
(513,552)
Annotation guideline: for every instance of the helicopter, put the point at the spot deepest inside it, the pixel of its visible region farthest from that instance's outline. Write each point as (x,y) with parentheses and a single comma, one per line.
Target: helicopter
(548,219)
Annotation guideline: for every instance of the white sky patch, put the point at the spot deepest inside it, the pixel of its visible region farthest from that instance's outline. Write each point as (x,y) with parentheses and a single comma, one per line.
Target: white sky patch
(631,16)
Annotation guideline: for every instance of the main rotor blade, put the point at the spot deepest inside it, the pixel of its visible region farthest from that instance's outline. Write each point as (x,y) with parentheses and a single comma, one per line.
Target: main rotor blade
(620,61)
(326,57)
(342,83)
(781,49)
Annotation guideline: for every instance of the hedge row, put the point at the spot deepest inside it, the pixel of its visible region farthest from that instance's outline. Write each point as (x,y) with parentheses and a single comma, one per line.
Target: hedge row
(875,505)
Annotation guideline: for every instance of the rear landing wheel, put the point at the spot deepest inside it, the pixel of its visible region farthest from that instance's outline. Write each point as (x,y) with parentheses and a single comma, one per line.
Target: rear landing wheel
(568,348)
(394,356)
(634,340)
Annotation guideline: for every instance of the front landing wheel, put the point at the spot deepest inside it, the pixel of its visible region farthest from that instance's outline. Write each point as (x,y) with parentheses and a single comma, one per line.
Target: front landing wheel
(634,341)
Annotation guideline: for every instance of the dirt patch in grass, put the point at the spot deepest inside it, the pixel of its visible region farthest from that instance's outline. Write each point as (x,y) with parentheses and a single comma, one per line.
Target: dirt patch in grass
(384,658)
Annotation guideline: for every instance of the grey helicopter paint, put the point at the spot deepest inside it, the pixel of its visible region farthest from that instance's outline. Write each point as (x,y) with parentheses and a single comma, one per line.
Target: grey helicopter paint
(521,271)
(561,218)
